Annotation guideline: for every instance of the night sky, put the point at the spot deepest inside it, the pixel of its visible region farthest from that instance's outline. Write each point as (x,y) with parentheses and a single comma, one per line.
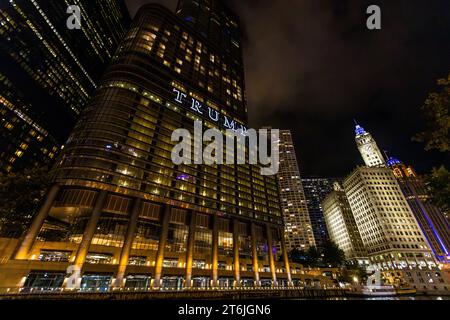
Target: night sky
(312,67)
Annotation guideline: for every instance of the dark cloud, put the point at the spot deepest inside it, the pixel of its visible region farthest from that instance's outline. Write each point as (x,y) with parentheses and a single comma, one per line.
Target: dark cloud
(312,66)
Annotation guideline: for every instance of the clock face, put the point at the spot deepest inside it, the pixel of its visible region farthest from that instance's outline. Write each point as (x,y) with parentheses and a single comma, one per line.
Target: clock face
(369,148)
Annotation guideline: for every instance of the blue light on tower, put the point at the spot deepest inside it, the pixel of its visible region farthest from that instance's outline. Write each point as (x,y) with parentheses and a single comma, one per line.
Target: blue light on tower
(358,129)
(392,162)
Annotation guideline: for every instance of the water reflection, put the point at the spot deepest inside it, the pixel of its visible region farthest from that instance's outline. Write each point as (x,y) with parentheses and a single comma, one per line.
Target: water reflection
(393,298)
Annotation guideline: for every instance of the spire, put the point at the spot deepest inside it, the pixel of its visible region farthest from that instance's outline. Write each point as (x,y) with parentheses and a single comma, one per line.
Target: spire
(358,129)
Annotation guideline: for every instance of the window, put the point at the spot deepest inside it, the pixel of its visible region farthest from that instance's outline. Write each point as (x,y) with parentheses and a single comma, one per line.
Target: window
(98,258)
(170,263)
(137,282)
(54,256)
(199,264)
(137,261)
(43,281)
(95,282)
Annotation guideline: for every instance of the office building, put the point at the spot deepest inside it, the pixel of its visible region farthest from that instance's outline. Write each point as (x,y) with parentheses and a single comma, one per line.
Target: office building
(48,72)
(342,226)
(433,223)
(388,228)
(316,189)
(298,230)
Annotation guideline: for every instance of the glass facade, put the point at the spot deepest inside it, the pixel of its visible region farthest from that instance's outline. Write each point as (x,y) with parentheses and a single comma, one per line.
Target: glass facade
(316,189)
(119,200)
(431,219)
(95,282)
(48,72)
(43,281)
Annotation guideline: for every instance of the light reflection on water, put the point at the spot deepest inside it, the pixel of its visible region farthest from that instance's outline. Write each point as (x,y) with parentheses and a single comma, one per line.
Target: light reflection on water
(393,298)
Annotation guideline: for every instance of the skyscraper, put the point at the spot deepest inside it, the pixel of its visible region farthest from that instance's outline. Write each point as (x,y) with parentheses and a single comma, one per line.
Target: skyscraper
(390,232)
(342,226)
(388,228)
(121,213)
(297,223)
(48,72)
(23,141)
(433,223)
(316,189)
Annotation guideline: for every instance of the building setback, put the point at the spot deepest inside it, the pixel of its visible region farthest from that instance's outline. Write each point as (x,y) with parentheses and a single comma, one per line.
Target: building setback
(433,223)
(342,227)
(121,213)
(48,72)
(298,230)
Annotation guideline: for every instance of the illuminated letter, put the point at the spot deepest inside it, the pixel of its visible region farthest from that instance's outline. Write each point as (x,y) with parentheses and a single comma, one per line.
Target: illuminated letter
(212,116)
(196,105)
(74,21)
(374,21)
(230,125)
(243,130)
(180,96)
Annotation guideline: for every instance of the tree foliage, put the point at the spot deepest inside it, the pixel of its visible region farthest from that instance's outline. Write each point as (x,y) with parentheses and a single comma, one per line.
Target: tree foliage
(21,194)
(350,271)
(332,254)
(329,254)
(438,182)
(437,119)
(436,111)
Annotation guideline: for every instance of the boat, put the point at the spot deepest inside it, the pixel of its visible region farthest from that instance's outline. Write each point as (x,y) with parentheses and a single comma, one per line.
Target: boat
(374,291)
(375,287)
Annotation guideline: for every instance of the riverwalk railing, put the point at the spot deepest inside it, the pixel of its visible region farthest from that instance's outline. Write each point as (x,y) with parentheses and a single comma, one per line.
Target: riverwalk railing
(164,293)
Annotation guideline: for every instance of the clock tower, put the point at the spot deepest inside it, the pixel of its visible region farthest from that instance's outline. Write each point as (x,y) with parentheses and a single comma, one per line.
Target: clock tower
(368,148)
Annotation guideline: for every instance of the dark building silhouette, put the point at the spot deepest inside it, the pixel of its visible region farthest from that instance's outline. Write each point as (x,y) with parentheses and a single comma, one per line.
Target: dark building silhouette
(48,72)
(316,189)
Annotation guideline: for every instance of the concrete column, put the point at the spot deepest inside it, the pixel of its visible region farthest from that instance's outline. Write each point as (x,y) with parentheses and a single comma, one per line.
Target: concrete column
(38,221)
(286,259)
(190,251)
(215,252)
(271,258)
(162,246)
(255,256)
(236,263)
(89,232)
(127,245)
